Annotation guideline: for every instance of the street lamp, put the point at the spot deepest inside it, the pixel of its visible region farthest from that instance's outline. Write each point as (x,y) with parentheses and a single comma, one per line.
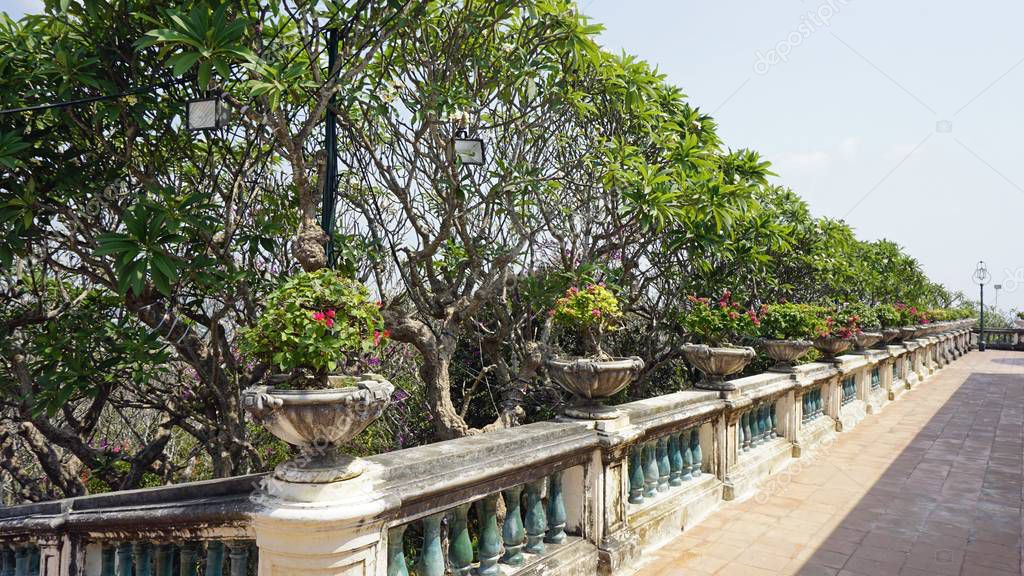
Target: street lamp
(981,276)
(206,114)
(469,150)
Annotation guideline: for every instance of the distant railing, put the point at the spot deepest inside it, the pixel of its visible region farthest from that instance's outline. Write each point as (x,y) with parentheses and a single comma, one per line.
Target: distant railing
(561,497)
(1002,338)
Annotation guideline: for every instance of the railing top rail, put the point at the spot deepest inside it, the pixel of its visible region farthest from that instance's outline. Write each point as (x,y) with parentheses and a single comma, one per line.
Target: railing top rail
(182,507)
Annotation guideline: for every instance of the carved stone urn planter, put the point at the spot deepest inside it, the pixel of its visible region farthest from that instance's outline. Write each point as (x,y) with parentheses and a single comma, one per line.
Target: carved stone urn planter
(592,382)
(890,335)
(832,346)
(716,364)
(908,332)
(866,340)
(317,422)
(785,352)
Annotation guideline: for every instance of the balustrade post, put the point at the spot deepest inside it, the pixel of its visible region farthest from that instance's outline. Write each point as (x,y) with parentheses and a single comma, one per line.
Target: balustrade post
(490,538)
(141,559)
(431,559)
(698,456)
(512,531)
(675,460)
(556,510)
(188,557)
(124,559)
(214,558)
(107,561)
(7,561)
(33,561)
(21,561)
(460,547)
(396,553)
(650,470)
(663,464)
(684,441)
(745,431)
(164,559)
(636,475)
(238,553)
(536,519)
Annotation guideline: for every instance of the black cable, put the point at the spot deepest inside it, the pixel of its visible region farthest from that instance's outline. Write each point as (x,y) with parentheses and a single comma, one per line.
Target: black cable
(90,99)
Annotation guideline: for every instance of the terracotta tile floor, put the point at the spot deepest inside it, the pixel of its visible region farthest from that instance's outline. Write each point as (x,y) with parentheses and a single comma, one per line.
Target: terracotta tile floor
(932,485)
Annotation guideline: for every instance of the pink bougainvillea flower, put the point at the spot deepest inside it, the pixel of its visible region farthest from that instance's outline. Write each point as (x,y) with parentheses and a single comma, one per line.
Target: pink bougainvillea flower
(329,322)
(318,316)
(330,313)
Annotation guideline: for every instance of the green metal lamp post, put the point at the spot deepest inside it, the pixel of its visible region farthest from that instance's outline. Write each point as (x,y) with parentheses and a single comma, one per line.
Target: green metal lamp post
(981,276)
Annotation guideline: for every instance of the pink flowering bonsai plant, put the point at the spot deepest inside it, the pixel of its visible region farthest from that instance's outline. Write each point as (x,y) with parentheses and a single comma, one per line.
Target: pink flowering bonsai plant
(590,313)
(312,336)
(715,329)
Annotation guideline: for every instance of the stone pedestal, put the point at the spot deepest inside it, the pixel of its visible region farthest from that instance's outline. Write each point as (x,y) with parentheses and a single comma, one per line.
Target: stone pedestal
(333,529)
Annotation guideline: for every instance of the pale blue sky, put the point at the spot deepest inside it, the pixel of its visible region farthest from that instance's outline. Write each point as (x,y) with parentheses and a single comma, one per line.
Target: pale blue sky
(850,117)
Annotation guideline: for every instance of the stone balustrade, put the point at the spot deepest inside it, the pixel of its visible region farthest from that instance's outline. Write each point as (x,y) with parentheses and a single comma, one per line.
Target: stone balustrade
(564,497)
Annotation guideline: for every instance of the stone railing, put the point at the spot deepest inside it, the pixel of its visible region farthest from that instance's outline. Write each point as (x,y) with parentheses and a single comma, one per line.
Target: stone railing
(565,497)
(155,531)
(1004,338)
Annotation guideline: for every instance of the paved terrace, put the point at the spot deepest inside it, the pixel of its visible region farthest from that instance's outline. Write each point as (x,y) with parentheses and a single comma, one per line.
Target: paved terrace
(931,485)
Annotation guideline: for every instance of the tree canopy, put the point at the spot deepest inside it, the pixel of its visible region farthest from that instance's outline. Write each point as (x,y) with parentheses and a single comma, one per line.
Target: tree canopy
(134,251)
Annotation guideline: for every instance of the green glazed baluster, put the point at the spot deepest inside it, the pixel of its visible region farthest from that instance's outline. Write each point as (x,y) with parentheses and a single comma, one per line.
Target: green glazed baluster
(745,430)
(164,560)
(124,559)
(460,548)
(238,553)
(187,555)
(698,456)
(490,538)
(33,561)
(675,460)
(663,465)
(396,552)
(214,558)
(762,411)
(684,443)
(768,424)
(431,558)
(759,426)
(556,510)
(749,429)
(512,531)
(21,561)
(7,556)
(636,475)
(141,557)
(650,471)
(107,561)
(775,421)
(536,521)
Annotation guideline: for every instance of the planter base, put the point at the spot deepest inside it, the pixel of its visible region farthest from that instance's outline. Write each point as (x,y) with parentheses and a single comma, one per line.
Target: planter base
(319,468)
(592,411)
(719,384)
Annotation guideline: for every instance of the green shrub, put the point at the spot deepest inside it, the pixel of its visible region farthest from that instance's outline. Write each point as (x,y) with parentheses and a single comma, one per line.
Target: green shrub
(592,311)
(320,322)
(862,314)
(790,322)
(717,323)
(888,316)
